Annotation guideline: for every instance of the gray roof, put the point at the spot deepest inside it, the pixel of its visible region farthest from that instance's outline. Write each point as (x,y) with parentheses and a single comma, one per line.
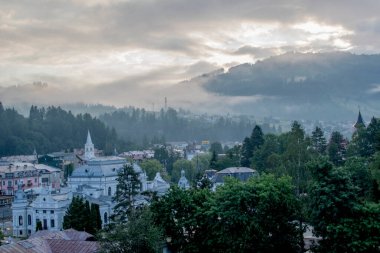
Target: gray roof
(102,167)
(240,173)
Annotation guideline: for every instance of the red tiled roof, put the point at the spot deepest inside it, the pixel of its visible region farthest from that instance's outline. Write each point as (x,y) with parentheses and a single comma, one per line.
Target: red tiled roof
(44,241)
(64,246)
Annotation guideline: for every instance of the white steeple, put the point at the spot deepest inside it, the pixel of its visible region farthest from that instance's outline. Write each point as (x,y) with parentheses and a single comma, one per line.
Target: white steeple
(89,148)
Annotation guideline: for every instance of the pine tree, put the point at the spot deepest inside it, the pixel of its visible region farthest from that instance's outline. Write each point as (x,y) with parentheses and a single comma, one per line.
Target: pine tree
(246,153)
(127,187)
(336,148)
(96,221)
(257,138)
(318,141)
(213,161)
(78,215)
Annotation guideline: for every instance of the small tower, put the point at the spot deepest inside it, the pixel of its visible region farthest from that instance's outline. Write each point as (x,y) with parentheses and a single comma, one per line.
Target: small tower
(183,183)
(359,122)
(19,207)
(35,156)
(89,152)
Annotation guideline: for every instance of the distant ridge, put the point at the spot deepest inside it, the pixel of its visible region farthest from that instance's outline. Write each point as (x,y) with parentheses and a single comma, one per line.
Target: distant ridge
(320,85)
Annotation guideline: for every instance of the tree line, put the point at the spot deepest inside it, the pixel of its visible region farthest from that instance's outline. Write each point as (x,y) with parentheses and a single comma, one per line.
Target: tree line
(146,127)
(51,129)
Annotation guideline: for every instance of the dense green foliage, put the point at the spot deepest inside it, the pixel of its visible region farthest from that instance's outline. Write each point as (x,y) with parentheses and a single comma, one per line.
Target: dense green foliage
(138,235)
(51,129)
(344,221)
(239,217)
(330,186)
(81,217)
(151,167)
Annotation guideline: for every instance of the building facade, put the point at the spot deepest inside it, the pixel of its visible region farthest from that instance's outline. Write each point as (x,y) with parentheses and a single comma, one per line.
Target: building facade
(30,176)
(95,181)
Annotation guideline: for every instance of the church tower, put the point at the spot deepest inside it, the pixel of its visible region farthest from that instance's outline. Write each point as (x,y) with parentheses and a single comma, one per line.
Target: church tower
(89,152)
(19,212)
(359,122)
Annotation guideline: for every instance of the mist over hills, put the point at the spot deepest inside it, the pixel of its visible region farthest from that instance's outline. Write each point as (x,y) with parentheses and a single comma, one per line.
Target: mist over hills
(292,86)
(326,86)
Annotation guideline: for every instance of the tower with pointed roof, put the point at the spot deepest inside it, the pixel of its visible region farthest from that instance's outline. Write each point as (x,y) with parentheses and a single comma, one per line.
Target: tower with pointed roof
(183,182)
(359,122)
(89,152)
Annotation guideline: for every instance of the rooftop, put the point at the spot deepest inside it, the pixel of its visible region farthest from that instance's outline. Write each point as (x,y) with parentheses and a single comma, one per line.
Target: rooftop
(44,241)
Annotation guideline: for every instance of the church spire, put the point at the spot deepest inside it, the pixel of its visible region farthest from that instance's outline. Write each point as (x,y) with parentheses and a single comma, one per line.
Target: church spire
(89,151)
(89,141)
(359,122)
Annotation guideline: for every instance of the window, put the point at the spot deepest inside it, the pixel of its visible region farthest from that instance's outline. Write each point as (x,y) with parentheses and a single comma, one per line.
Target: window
(36,211)
(29,232)
(44,211)
(29,219)
(3,182)
(20,220)
(9,183)
(35,180)
(105,218)
(20,232)
(109,191)
(51,211)
(45,224)
(52,223)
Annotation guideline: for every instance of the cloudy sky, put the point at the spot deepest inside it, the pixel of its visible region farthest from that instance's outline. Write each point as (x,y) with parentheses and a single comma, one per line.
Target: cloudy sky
(91,50)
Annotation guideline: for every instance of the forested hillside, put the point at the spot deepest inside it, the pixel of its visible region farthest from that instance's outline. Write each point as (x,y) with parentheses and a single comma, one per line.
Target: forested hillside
(51,129)
(171,125)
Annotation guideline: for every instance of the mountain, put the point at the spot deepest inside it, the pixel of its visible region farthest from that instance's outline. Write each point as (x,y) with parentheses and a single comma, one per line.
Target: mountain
(326,86)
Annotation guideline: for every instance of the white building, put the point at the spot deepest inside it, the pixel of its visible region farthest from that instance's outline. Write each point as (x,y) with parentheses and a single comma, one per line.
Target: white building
(101,172)
(47,208)
(95,181)
(183,182)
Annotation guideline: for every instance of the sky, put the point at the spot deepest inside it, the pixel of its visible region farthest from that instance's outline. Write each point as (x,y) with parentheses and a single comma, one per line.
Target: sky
(134,52)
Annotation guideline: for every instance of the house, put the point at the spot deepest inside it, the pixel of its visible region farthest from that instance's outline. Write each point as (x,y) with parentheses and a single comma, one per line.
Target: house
(30,176)
(240,173)
(44,241)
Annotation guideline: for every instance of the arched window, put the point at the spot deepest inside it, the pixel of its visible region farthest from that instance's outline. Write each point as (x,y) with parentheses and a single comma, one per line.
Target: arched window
(105,218)
(20,220)
(29,219)
(109,191)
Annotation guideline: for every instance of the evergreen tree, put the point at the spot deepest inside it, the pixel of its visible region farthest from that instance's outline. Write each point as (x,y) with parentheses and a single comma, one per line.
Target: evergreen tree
(336,148)
(214,161)
(257,138)
(246,153)
(96,220)
(78,215)
(318,141)
(217,147)
(373,135)
(128,185)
